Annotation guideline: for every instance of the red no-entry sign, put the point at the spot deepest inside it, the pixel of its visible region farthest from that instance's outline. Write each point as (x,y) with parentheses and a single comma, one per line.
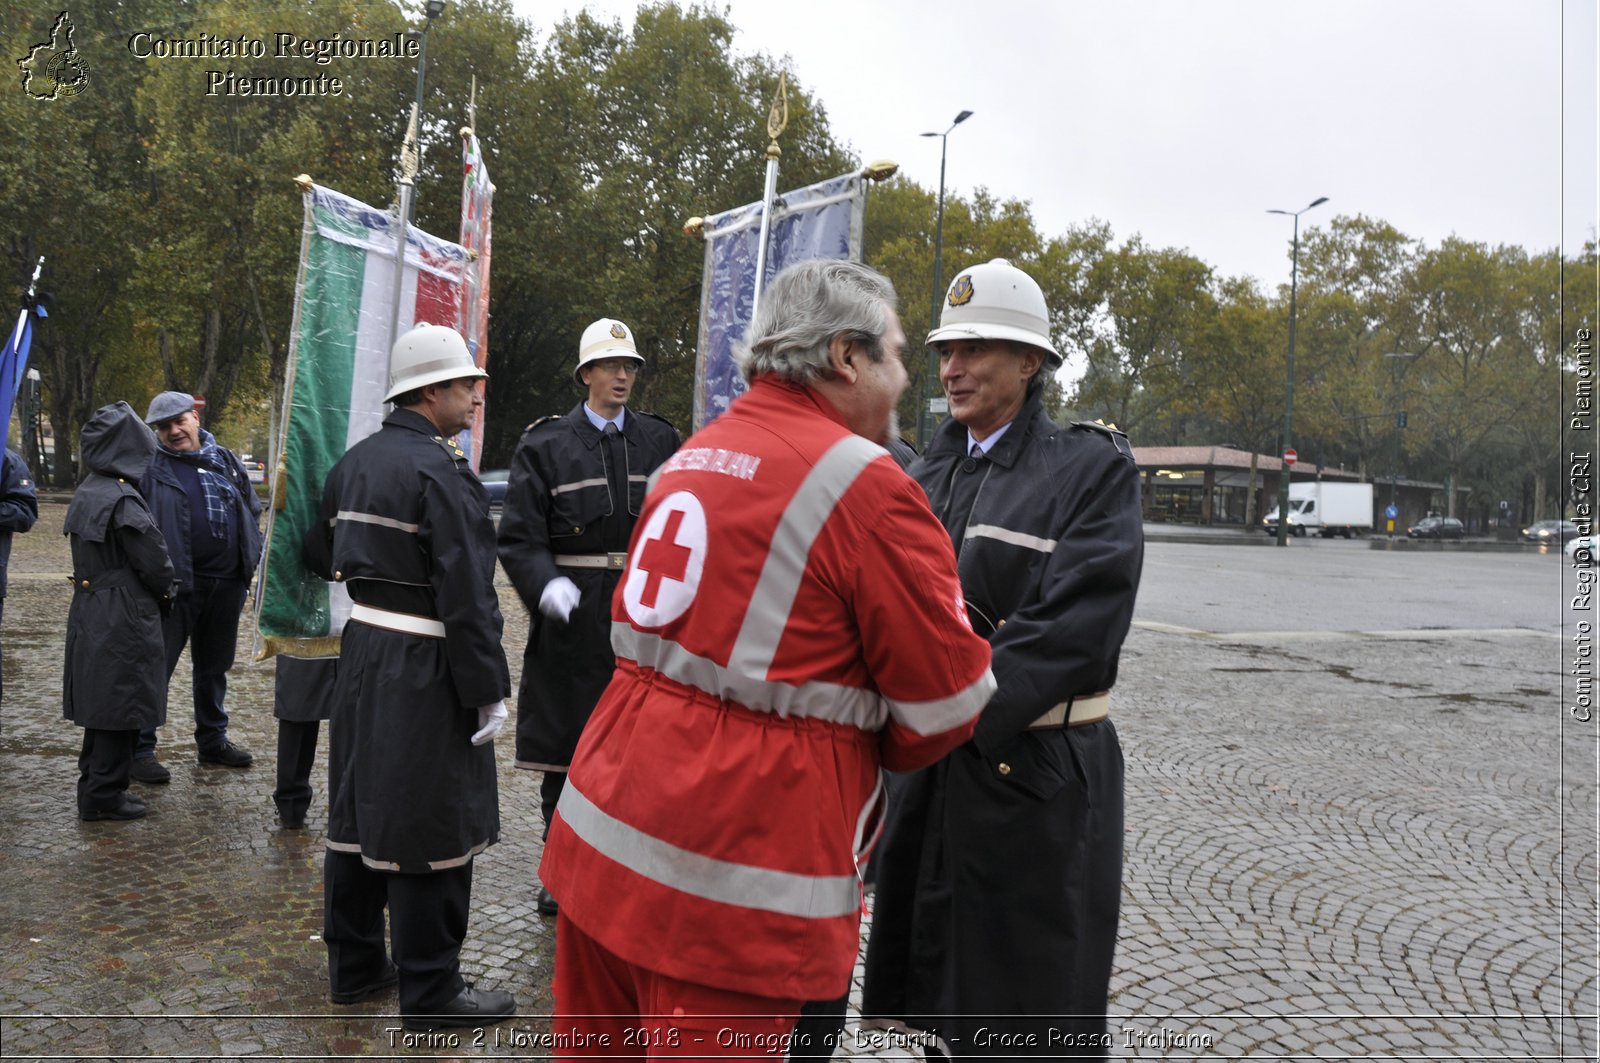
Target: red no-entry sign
(1289,456)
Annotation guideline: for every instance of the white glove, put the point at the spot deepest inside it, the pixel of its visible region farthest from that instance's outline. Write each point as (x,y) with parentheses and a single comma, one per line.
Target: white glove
(560,597)
(490,719)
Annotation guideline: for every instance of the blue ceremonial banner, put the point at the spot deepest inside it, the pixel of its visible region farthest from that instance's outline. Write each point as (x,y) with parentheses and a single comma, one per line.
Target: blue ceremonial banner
(821,221)
(14,356)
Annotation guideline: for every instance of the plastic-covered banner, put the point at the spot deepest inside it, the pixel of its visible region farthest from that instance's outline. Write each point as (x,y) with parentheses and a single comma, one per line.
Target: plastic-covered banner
(821,221)
(338,372)
(477,202)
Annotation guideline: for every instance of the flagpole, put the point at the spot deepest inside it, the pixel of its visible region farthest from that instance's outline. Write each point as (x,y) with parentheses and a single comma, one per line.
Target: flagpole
(410,156)
(22,320)
(777,122)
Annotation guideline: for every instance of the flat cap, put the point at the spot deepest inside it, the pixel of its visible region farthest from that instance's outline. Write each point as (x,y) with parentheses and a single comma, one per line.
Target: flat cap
(167,405)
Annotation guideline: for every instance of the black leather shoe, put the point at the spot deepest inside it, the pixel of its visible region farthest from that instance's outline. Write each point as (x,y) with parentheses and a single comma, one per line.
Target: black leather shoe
(125,810)
(227,755)
(148,770)
(133,799)
(547,904)
(390,976)
(474,1007)
(291,822)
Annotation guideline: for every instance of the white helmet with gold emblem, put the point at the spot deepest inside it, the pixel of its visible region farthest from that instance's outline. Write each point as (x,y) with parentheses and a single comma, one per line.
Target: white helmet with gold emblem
(995,301)
(606,338)
(429,354)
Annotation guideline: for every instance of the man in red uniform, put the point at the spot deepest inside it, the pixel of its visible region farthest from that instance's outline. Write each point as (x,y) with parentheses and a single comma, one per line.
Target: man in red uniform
(789,622)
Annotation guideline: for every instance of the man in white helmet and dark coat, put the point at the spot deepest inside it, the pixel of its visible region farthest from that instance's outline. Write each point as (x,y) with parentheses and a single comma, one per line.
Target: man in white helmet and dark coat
(419,695)
(1001,866)
(115,679)
(577,483)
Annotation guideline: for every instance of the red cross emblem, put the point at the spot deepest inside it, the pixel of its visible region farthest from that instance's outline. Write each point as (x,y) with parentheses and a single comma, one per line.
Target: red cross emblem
(663,559)
(666,562)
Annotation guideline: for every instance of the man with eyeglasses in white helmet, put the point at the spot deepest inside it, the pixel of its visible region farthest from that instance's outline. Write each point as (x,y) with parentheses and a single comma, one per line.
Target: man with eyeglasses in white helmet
(419,694)
(1001,866)
(577,484)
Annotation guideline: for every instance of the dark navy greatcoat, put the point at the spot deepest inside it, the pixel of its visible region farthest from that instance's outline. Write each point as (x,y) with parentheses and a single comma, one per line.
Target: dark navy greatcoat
(560,501)
(1000,872)
(115,676)
(405,526)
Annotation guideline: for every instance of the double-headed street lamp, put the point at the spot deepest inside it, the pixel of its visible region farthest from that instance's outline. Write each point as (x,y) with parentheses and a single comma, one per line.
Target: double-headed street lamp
(1288,397)
(938,286)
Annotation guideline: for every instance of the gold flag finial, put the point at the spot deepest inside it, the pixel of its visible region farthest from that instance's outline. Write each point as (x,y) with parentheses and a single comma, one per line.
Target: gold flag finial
(304,183)
(778,117)
(695,228)
(881,170)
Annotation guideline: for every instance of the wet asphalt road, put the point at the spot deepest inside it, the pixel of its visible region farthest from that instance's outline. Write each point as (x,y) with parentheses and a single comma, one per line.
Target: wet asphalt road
(1360,824)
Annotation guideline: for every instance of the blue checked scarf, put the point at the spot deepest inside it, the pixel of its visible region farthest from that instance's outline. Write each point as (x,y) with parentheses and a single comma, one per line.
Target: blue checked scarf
(215,480)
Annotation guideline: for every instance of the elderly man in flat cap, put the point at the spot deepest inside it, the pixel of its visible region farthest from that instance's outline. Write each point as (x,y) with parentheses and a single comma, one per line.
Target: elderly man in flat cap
(201,498)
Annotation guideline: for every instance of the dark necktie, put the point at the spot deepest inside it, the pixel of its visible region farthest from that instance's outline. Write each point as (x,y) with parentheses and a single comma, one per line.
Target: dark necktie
(964,483)
(616,448)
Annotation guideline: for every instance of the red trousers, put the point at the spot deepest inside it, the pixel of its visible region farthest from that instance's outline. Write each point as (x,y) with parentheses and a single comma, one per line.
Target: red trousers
(607,1007)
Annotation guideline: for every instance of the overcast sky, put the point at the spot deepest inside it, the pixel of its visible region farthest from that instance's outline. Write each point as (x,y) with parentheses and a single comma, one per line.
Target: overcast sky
(1185,121)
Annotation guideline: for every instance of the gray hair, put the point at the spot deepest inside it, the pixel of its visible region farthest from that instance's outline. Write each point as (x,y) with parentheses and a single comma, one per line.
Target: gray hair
(804,308)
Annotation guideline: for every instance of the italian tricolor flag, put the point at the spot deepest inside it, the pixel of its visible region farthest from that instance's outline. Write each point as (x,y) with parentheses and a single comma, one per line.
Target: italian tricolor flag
(338,373)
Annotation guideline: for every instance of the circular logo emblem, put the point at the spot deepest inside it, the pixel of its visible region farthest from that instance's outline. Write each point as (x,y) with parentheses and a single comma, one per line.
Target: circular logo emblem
(618,331)
(961,290)
(666,564)
(68,71)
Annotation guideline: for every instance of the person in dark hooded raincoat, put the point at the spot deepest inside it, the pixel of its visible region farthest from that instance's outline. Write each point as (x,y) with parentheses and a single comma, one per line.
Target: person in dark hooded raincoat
(115,680)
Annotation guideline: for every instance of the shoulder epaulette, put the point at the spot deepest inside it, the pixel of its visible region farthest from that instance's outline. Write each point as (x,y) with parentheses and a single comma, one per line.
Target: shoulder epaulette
(656,416)
(450,448)
(543,420)
(1118,437)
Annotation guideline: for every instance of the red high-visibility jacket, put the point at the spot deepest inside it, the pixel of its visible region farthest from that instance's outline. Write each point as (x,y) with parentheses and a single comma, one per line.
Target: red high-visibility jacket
(789,621)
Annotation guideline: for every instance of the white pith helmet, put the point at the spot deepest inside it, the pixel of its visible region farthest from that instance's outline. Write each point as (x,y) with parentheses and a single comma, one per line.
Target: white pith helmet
(606,338)
(429,354)
(996,301)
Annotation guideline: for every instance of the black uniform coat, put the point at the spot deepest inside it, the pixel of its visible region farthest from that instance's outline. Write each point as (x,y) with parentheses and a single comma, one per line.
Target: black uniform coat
(405,525)
(1000,873)
(115,677)
(19,506)
(560,501)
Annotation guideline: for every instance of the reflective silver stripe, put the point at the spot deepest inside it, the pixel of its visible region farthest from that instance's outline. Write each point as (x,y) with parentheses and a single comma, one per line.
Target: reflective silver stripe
(784,892)
(931,717)
(1006,535)
(815,700)
(767,616)
(405,623)
(389,865)
(373,518)
(636,478)
(577,485)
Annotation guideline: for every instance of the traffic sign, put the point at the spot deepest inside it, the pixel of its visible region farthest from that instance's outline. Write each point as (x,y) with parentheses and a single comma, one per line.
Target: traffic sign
(1289,456)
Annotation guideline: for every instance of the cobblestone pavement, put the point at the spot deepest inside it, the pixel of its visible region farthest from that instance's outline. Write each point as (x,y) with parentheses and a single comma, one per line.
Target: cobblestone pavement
(1339,846)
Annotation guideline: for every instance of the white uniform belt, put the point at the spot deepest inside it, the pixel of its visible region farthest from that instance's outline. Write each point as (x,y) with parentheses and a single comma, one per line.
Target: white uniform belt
(612,561)
(405,623)
(1087,708)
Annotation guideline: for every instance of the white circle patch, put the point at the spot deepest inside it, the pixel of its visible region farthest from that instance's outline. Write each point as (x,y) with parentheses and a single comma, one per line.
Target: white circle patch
(667,561)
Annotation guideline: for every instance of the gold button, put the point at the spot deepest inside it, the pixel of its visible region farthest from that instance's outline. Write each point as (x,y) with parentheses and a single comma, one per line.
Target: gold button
(337,575)
(1005,769)
(86,584)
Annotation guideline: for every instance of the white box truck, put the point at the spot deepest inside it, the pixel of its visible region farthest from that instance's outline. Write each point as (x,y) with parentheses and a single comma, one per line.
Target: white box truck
(1326,509)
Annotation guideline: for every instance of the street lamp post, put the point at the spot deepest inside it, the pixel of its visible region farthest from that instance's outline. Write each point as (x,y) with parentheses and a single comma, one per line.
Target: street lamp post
(1288,395)
(1399,422)
(923,412)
